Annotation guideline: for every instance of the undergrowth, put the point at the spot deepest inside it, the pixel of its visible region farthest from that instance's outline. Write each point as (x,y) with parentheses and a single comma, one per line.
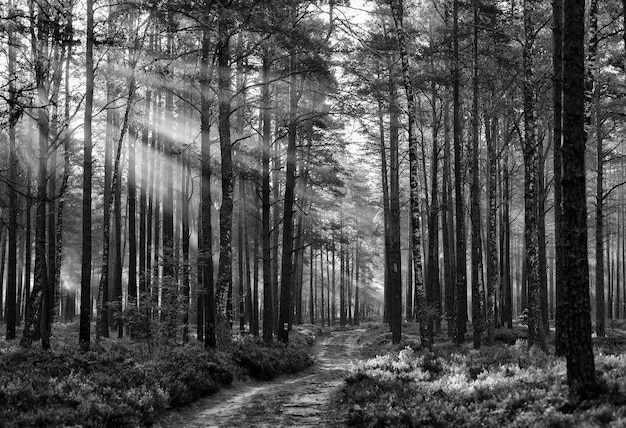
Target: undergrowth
(117,385)
(498,386)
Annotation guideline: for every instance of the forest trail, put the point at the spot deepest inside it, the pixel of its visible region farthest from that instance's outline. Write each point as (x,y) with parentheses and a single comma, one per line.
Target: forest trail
(299,400)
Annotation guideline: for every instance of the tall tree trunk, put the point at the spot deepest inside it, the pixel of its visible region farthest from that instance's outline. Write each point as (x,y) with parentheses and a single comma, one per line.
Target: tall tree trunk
(143,203)
(40,287)
(357,303)
(255,252)
(591,113)
(434,289)
(560,340)
(85,276)
(169,285)
(240,259)
(477,254)
(185,268)
(386,208)
(398,14)
(287,267)
(395,251)
(460,298)
(493,277)
(575,274)
(322,307)
(447,225)
(410,296)
(115,284)
(536,334)
(268,301)
(101,324)
(276,220)
(542,251)
(132,217)
(250,300)
(11,288)
(205,249)
(225,267)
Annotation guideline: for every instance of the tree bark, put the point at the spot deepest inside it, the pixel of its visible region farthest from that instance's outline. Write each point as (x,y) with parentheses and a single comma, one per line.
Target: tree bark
(493,284)
(225,266)
(268,301)
(205,249)
(395,252)
(536,333)
(460,298)
(398,15)
(575,278)
(11,287)
(85,277)
(287,266)
(477,254)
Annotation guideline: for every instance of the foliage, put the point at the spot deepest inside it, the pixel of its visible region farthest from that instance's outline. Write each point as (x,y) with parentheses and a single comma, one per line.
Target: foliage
(494,387)
(265,362)
(118,384)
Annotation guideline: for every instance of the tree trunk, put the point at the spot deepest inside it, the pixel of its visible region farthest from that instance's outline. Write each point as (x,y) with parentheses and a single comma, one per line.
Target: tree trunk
(11,287)
(205,249)
(185,268)
(268,301)
(255,251)
(536,333)
(591,113)
(433,294)
(385,186)
(287,267)
(225,267)
(398,15)
(40,288)
(132,221)
(85,278)
(460,298)
(447,226)
(575,278)
(493,281)
(560,339)
(477,254)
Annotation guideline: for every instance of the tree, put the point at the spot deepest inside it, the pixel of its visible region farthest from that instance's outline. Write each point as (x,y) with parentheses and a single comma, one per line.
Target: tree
(536,333)
(560,340)
(287,271)
(11,309)
(205,249)
(40,39)
(573,218)
(460,296)
(477,254)
(265,201)
(398,15)
(225,273)
(85,276)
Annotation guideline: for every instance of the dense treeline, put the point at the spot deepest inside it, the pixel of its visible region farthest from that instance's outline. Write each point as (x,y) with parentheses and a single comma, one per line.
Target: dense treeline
(254,164)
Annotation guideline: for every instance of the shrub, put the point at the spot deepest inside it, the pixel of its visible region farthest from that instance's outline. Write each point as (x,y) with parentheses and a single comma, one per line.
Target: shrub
(265,362)
(494,387)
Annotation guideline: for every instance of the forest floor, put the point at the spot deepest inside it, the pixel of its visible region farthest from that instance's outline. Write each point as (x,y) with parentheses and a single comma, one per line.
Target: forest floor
(303,400)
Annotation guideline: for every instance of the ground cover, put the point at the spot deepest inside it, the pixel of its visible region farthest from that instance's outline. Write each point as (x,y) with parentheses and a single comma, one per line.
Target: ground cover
(119,383)
(500,385)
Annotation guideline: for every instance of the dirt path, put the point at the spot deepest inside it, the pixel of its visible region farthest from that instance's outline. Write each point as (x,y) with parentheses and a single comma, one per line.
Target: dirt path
(301,400)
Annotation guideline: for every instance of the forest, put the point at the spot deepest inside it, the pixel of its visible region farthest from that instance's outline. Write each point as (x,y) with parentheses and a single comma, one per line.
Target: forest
(198,192)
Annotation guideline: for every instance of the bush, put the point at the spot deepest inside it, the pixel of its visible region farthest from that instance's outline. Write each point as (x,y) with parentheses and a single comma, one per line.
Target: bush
(115,385)
(494,387)
(265,362)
